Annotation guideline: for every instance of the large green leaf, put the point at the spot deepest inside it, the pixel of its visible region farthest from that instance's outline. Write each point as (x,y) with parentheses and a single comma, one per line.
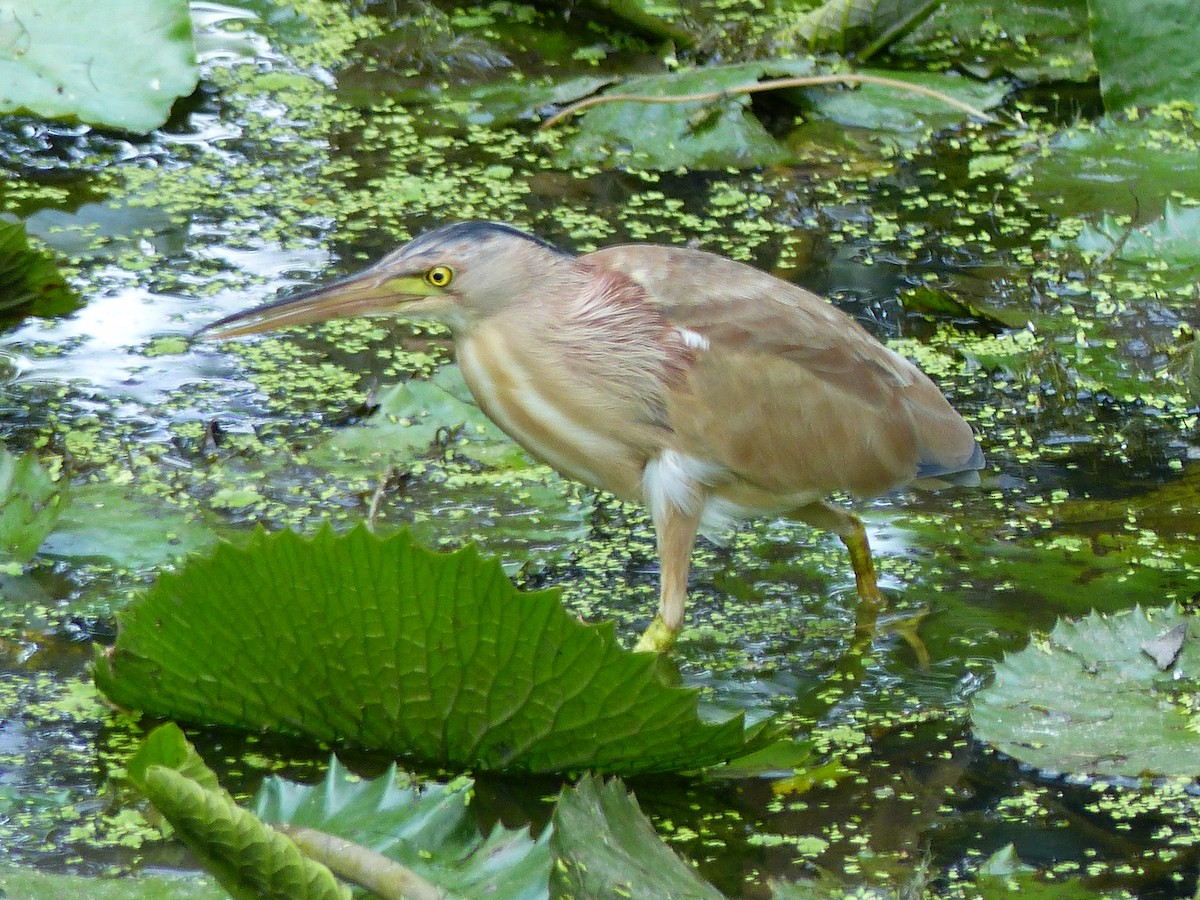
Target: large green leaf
(605,847)
(378,643)
(1093,700)
(1146,52)
(111,522)
(897,112)
(1169,239)
(1035,40)
(250,859)
(430,830)
(709,135)
(1129,164)
(845,25)
(118,63)
(29,506)
(32,884)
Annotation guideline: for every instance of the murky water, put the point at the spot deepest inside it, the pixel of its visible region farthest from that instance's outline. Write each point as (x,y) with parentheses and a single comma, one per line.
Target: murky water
(274,180)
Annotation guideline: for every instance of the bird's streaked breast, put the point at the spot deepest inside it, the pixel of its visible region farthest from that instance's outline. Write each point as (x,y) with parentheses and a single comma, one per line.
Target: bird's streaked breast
(542,414)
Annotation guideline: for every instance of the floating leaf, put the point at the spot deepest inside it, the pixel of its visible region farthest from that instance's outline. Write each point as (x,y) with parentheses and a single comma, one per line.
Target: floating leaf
(430,830)
(1090,702)
(412,415)
(1120,165)
(846,25)
(378,643)
(1169,239)
(1146,52)
(1044,41)
(29,506)
(120,63)
(249,858)
(30,283)
(107,521)
(604,846)
(707,135)
(33,884)
(898,112)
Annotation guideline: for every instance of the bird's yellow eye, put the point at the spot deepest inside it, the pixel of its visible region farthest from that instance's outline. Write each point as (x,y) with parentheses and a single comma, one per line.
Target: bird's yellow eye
(440,276)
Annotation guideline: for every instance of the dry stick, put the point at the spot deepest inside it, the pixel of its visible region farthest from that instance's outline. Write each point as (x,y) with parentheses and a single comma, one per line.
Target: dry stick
(362,866)
(774,84)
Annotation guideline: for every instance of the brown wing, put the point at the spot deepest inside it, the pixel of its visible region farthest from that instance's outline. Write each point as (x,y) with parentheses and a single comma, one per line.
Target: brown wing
(787,391)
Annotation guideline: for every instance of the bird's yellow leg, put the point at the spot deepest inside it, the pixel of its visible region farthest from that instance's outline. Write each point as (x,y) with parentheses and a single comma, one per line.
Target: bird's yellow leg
(675,532)
(849,528)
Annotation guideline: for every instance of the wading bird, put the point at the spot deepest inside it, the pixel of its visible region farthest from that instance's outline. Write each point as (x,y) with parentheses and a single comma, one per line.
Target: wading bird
(703,388)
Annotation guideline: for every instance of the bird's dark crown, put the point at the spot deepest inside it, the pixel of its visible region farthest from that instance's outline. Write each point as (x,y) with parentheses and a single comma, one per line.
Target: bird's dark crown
(475,232)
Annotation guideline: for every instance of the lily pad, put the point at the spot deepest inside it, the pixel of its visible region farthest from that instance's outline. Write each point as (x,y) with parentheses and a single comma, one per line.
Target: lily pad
(119,63)
(1120,165)
(1171,239)
(708,135)
(29,505)
(106,521)
(1146,52)
(893,110)
(381,644)
(414,414)
(1090,701)
(31,884)
(1037,40)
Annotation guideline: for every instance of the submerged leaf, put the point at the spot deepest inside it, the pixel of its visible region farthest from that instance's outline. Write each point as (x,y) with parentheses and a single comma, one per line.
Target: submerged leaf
(1090,702)
(30,283)
(604,846)
(382,644)
(29,506)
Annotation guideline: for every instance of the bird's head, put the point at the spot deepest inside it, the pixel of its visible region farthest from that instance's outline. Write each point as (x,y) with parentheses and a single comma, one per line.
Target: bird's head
(457,274)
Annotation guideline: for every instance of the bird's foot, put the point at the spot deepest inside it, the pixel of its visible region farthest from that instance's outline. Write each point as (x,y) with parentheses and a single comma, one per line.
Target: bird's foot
(659,637)
(906,625)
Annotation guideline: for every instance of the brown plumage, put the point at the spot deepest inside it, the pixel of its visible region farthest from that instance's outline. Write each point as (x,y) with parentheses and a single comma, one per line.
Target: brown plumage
(701,387)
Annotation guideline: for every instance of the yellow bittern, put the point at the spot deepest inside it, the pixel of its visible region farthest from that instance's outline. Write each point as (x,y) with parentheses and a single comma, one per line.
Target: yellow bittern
(698,386)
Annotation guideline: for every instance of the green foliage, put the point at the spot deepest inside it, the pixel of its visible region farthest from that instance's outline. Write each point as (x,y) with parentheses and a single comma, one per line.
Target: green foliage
(117,63)
(1128,164)
(1170,239)
(250,859)
(846,25)
(604,847)
(708,135)
(30,283)
(1036,40)
(1099,698)
(1146,52)
(29,505)
(378,643)
(896,113)
(110,522)
(29,884)
(429,830)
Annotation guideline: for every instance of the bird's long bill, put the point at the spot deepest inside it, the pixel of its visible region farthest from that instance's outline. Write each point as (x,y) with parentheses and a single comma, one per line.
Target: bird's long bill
(368,293)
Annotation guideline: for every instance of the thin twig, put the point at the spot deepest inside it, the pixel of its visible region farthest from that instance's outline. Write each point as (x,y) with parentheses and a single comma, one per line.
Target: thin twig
(385,484)
(363,866)
(772,85)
